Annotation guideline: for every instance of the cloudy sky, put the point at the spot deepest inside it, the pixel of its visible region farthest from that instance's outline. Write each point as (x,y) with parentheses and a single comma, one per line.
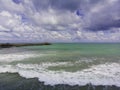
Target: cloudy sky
(60,20)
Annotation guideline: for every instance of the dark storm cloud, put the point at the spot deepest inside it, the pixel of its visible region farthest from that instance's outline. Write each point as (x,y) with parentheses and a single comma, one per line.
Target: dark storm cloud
(57,4)
(105,25)
(71,5)
(17,1)
(106,18)
(103,19)
(63,5)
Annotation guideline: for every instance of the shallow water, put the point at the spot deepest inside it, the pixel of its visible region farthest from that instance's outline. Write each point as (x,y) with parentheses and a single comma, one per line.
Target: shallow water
(64,64)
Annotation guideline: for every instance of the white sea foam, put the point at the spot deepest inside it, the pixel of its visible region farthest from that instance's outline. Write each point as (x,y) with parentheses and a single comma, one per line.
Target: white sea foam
(15,54)
(104,74)
(15,57)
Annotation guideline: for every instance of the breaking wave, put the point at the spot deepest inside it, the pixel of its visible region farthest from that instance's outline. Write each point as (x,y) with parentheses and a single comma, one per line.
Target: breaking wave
(15,54)
(102,74)
(105,74)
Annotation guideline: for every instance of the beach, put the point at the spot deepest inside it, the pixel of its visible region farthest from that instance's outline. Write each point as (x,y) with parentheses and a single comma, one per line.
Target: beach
(65,66)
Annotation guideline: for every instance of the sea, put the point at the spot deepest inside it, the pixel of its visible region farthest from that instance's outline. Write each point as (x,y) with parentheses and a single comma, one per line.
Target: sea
(61,66)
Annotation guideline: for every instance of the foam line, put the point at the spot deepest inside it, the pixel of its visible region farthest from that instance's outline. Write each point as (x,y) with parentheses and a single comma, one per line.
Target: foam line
(15,54)
(104,74)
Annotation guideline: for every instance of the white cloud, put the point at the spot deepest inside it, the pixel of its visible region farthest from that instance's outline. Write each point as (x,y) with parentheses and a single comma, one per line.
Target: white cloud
(9,5)
(52,24)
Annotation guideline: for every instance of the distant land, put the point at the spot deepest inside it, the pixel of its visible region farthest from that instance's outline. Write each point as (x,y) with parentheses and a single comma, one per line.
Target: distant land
(8,45)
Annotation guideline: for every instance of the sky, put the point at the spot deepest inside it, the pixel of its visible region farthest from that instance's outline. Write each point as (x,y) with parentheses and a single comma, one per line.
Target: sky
(59,20)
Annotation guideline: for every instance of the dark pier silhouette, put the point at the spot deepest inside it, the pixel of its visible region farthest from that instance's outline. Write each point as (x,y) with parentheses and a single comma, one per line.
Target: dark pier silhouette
(8,45)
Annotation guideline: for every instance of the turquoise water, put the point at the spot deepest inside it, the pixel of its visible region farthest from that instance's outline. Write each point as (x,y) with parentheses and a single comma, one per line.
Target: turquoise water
(85,54)
(68,64)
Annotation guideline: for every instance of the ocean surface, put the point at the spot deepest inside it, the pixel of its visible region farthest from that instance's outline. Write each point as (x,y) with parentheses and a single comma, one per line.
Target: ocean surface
(78,66)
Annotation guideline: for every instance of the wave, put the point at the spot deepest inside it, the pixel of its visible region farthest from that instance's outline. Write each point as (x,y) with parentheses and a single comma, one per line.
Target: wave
(15,54)
(104,74)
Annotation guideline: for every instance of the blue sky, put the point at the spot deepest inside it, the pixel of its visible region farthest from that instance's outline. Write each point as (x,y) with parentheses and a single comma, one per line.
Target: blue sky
(60,20)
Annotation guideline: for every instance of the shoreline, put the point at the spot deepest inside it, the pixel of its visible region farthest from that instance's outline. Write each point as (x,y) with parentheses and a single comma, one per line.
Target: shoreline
(17,82)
